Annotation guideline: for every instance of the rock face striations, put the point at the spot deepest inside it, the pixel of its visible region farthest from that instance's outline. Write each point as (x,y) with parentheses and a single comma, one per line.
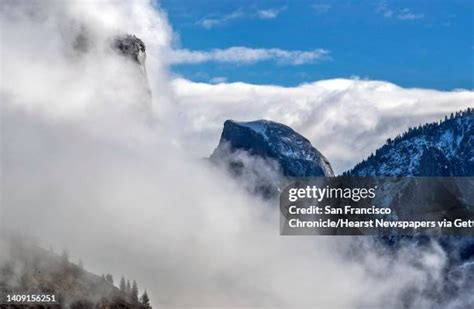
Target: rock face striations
(293,154)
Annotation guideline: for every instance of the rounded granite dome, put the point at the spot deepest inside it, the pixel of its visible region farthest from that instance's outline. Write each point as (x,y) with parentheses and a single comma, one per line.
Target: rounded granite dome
(271,140)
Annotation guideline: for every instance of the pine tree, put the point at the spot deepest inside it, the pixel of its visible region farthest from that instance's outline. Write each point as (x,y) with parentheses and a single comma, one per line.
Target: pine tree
(134,291)
(109,278)
(145,300)
(123,286)
(129,288)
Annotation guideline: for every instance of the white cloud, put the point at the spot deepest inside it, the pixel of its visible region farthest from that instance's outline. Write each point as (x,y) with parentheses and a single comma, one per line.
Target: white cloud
(218,80)
(219,20)
(346,119)
(270,13)
(246,55)
(384,10)
(211,22)
(406,14)
(124,189)
(321,7)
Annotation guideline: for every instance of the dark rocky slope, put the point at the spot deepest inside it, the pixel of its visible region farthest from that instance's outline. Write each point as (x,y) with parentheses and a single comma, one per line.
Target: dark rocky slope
(293,153)
(263,154)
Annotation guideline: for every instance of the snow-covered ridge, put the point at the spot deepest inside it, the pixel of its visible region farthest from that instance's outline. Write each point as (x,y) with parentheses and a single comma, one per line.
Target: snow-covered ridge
(344,118)
(259,126)
(271,140)
(436,149)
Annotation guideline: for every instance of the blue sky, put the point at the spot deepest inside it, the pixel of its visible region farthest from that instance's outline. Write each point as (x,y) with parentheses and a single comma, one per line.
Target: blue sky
(423,43)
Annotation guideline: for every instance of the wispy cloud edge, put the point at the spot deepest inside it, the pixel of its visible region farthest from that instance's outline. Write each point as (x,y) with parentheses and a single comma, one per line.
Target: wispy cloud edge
(246,55)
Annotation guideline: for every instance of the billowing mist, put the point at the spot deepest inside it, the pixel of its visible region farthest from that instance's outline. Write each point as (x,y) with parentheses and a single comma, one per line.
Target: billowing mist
(91,163)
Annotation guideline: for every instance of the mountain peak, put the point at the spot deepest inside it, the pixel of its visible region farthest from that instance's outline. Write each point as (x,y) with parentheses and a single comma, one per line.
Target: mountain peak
(130,46)
(294,153)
